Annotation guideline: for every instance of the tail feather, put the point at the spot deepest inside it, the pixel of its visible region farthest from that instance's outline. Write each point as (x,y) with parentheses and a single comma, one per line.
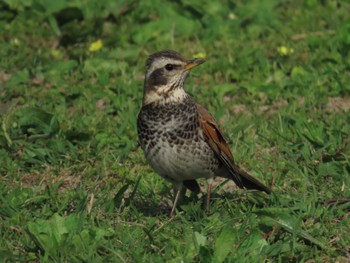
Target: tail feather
(245,180)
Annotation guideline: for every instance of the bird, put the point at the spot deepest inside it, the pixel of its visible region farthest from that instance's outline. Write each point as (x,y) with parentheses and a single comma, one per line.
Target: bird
(180,139)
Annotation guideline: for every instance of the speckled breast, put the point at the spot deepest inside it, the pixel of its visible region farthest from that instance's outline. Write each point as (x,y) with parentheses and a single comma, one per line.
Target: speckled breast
(173,142)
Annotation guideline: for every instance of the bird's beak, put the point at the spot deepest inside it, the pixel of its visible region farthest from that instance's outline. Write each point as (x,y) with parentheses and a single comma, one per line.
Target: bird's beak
(193,63)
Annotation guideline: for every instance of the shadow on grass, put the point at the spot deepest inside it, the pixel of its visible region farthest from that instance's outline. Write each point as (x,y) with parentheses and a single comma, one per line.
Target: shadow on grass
(152,208)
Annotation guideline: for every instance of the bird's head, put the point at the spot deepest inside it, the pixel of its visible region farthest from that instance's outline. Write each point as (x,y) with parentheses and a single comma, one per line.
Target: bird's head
(165,76)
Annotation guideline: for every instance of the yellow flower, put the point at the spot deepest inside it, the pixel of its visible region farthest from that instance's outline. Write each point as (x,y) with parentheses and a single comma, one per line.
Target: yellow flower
(96,46)
(285,51)
(200,55)
(55,53)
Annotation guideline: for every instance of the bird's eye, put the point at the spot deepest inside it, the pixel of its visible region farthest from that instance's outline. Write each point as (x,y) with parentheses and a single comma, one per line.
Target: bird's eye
(169,67)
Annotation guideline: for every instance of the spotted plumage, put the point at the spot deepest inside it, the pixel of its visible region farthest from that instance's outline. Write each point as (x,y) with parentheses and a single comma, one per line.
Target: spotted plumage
(180,139)
(173,142)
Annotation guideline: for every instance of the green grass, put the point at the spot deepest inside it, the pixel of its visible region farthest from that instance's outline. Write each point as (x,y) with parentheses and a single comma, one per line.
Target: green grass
(74,185)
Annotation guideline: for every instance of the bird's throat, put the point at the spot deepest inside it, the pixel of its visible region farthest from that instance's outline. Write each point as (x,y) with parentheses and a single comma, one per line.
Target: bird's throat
(163,95)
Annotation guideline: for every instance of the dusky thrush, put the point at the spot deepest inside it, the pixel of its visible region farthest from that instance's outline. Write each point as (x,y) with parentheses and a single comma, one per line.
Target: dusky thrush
(180,139)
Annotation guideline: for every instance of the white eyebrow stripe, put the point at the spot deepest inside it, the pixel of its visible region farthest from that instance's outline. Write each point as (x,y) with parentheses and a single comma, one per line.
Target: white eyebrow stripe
(161,62)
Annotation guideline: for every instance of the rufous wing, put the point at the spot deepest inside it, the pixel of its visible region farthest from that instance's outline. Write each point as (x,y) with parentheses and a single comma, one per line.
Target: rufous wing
(217,142)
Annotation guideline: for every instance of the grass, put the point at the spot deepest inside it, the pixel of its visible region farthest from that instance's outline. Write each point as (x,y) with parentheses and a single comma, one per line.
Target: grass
(74,185)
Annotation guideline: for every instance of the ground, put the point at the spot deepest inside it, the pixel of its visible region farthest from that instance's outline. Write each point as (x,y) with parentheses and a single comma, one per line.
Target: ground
(74,184)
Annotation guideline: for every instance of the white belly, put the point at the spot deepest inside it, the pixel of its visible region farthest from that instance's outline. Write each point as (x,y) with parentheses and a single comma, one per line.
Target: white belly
(181,162)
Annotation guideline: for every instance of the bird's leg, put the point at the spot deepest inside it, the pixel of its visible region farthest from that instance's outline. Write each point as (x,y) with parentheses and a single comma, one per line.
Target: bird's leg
(209,187)
(177,197)
(178,192)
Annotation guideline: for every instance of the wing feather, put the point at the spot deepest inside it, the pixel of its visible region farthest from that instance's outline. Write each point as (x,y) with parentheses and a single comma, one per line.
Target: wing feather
(217,142)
